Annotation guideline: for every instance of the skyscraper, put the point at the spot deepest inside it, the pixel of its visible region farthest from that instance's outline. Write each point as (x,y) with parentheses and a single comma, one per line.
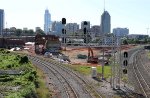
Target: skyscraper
(1,21)
(105,23)
(47,21)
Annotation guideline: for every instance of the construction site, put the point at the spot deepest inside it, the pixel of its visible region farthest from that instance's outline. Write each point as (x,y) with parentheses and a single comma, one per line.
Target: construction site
(90,57)
(51,46)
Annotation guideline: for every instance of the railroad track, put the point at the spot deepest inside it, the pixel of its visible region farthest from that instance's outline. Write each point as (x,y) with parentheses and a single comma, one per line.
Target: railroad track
(66,88)
(76,86)
(143,58)
(140,77)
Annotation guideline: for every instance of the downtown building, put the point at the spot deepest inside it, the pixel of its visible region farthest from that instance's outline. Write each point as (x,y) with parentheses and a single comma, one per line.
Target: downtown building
(47,22)
(1,21)
(56,28)
(105,26)
(95,31)
(72,27)
(121,32)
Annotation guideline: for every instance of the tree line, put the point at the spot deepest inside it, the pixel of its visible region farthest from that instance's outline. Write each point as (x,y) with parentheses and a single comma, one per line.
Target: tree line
(19,32)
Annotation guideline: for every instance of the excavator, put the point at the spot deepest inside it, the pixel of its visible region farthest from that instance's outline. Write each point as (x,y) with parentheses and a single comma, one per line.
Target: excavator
(91,57)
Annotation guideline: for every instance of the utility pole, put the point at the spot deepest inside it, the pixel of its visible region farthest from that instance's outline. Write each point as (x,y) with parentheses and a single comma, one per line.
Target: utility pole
(147,30)
(116,62)
(103,63)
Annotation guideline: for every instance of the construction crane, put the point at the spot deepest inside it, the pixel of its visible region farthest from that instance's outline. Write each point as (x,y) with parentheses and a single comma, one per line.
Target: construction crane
(91,57)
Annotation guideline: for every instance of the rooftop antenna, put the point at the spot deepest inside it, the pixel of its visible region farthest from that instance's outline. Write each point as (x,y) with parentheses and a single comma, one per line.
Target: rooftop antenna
(46,7)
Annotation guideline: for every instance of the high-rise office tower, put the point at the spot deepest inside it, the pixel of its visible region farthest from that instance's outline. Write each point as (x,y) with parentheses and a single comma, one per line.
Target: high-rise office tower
(1,21)
(47,21)
(105,23)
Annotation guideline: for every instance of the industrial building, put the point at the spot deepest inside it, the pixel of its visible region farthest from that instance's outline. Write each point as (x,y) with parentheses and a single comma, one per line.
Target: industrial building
(47,43)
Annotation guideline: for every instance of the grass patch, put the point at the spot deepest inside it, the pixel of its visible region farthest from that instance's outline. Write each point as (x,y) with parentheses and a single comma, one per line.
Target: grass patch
(86,70)
(42,91)
(25,82)
(148,54)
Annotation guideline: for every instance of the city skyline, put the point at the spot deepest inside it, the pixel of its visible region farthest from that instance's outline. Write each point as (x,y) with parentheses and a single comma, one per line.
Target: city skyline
(29,13)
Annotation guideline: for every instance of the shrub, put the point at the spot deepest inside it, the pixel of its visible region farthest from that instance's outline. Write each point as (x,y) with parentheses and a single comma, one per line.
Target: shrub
(1,49)
(34,73)
(36,84)
(6,79)
(9,66)
(31,78)
(7,52)
(24,59)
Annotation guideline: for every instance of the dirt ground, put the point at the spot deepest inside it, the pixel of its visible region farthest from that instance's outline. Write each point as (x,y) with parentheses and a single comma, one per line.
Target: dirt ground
(73,52)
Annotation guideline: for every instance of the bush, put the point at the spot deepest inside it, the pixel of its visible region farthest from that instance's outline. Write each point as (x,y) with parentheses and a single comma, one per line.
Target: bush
(10,65)
(37,85)
(31,77)
(6,79)
(24,59)
(1,49)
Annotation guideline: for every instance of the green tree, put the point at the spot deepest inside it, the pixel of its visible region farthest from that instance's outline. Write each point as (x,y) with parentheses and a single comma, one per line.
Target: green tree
(137,41)
(18,32)
(125,42)
(25,32)
(31,32)
(145,40)
(40,31)
(24,59)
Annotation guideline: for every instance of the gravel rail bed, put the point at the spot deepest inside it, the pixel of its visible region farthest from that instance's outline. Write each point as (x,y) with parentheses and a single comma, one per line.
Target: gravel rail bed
(66,77)
(141,81)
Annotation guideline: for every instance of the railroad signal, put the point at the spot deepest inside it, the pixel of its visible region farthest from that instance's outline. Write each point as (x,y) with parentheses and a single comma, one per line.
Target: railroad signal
(63,31)
(85,23)
(125,62)
(125,54)
(84,30)
(63,20)
(125,71)
(85,40)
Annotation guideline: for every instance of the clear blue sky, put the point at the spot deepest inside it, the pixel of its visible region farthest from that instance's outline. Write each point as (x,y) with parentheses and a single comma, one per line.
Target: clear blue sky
(133,14)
